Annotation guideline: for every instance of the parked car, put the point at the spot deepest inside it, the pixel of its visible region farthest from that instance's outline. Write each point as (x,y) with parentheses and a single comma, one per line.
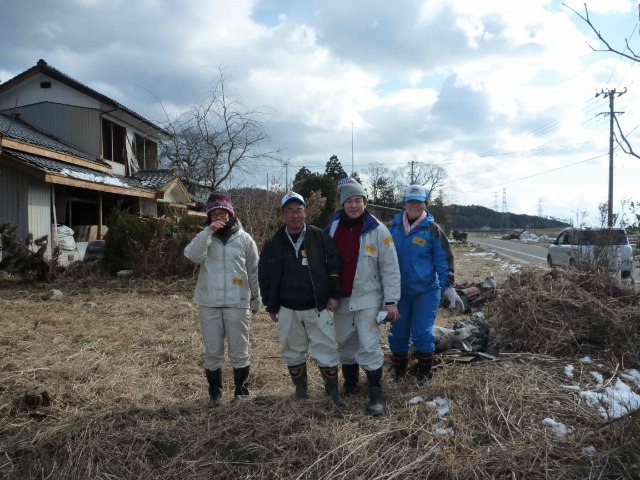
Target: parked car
(592,247)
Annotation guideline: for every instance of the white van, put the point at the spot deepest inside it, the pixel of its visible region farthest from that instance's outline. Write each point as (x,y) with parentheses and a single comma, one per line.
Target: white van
(605,247)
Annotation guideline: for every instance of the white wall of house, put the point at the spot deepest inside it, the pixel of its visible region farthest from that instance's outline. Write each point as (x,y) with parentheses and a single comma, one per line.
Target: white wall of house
(29,92)
(39,211)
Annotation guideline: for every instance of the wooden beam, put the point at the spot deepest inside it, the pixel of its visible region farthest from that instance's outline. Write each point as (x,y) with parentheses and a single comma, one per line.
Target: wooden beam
(43,152)
(72,182)
(99,215)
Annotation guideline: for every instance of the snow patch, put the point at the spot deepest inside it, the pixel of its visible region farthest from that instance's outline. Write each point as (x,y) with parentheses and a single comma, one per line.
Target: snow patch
(558,429)
(598,377)
(613,402)
(95,178)
(568,370)
(442,404)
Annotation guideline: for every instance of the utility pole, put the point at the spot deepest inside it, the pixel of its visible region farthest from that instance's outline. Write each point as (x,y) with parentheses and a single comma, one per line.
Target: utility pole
(286,176)
(352,149)
(412,179)
(611,94)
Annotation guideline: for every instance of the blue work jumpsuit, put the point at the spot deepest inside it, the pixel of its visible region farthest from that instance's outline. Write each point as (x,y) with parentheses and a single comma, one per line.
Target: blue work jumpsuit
(426,268)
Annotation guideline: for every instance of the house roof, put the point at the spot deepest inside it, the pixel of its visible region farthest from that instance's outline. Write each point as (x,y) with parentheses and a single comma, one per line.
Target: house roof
(75,171)
(18,130)
(44,68)
(156,179)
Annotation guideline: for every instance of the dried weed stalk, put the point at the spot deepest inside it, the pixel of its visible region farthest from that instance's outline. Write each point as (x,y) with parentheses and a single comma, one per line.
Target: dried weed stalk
(568,312)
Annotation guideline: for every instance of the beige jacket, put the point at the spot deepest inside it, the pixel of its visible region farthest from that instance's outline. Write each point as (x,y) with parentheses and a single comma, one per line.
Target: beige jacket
(228,273)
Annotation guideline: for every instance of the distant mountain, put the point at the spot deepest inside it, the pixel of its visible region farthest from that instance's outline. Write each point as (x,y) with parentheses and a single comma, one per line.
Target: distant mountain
(463,217)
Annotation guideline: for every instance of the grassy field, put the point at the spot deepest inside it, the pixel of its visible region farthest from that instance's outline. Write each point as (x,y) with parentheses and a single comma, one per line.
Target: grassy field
(121,361)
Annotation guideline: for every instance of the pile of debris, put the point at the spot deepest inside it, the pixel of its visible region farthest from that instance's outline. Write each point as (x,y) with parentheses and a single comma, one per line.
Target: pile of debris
(567,312)
(466,340)
(513,234)
(474,295)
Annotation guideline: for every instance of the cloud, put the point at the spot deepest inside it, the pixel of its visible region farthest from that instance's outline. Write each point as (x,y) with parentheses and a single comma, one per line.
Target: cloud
(494,91)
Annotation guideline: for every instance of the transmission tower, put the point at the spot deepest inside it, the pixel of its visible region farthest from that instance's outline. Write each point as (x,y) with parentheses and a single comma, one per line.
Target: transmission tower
(495,201)
(504,218)
(540,207)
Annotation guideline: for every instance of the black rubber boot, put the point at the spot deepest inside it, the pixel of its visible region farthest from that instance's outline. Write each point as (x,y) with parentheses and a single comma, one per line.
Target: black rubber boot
(241,381)
(214,377)
(425,362)
(400,362)
(330,376)
(375,406)
(299,377)
(350,373)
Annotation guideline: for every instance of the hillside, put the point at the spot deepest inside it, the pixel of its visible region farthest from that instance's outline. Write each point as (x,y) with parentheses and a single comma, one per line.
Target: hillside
(463,217)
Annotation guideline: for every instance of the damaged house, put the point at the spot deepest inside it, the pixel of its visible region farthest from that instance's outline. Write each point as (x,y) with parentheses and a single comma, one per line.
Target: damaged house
(69,154)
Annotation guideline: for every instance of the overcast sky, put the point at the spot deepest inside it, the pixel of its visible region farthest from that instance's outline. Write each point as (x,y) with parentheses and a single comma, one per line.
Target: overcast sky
(500,93)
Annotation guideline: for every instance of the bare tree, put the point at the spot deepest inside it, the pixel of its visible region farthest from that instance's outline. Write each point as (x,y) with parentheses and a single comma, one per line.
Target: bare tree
(382,185)
(632,55)
(432,177)
(212,139)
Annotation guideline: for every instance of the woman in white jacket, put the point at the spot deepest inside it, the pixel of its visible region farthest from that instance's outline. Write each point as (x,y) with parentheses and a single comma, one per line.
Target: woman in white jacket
(226,292)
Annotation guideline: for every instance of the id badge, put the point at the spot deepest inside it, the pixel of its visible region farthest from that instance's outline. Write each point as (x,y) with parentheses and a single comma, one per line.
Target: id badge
(305,262)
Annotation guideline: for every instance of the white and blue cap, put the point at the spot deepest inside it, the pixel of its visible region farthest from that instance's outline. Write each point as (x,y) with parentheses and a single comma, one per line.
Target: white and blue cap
(292,197)
(415,192)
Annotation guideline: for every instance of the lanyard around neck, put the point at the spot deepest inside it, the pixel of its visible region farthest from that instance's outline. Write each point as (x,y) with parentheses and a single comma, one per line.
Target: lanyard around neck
(296,245)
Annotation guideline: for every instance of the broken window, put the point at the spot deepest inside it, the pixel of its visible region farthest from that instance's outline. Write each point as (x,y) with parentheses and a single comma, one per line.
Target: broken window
(146,153)
(114,142)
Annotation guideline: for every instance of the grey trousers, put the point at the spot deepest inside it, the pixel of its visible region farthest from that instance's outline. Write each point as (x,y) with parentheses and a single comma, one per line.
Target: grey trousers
(217,324)
(307,330)
(358,336)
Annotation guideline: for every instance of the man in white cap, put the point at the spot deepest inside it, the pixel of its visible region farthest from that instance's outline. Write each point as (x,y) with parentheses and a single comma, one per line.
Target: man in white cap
(299,277)
(426,264)
(370,284)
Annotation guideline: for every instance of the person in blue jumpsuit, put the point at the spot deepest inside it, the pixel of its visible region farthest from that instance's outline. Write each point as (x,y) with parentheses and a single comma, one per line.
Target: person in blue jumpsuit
(426,269)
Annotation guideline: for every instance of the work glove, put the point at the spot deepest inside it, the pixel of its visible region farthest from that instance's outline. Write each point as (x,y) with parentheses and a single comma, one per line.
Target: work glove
(255,305)
(455,302)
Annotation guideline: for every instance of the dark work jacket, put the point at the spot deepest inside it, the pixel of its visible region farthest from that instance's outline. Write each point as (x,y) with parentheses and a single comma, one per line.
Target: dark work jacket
(324,267)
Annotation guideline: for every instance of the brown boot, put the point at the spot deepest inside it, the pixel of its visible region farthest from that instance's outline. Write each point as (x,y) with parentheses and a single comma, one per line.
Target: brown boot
(330,376)
(425,363)
(400,362)
(299,378)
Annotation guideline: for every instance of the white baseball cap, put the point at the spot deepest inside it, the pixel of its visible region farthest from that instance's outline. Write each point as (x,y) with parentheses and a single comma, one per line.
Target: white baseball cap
(292,197)
(415,192)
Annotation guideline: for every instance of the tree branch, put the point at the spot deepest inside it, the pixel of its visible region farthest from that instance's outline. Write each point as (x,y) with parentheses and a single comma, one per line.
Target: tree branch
(609,48)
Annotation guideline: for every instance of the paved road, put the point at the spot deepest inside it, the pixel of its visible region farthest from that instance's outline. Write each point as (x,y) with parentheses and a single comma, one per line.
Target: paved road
(521,252)
(524,252)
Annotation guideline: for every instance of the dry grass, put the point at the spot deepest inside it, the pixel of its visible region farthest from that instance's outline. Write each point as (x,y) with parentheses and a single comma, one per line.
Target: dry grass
(570,312)
(129,401)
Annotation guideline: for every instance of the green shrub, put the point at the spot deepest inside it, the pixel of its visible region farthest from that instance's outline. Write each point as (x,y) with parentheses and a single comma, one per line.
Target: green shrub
(149,246)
